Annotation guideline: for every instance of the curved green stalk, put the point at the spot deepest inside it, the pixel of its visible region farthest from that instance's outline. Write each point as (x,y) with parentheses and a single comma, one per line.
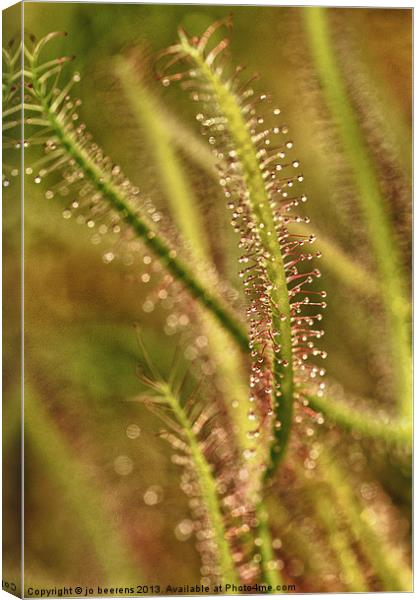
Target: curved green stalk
(370,198)
(188,220)
(143,230)
(392,571)
(259,200)
(362,422)
(308,549)
(298,543)
(153,240)
(163,251)
(352,273)
(206,482)
(57,458)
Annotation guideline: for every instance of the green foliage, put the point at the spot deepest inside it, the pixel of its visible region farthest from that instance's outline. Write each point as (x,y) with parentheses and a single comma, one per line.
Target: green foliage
(191,430)
(254,461)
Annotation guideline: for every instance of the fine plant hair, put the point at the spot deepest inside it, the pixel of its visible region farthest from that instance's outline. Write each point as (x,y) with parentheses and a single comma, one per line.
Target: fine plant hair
(370,199)
(230,480)
(254,173)
(132,74)
(193,432)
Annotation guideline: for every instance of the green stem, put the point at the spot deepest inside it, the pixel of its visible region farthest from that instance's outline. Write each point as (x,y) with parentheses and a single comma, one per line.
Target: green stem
(353,274)
(207,486)
(189,222)
(333,522)
(370,198)
(362,422)
(230,108)
(188,219)
(152,240)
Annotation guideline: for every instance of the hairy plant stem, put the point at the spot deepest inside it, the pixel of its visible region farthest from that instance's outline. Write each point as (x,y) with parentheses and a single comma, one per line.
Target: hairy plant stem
(260,203)
(175,266)
(152,240)
(296,541)
(207,486)
(366,424)
(188,220)
(184,209)
(334,259)
(259,200)
(155,242)
(371,200)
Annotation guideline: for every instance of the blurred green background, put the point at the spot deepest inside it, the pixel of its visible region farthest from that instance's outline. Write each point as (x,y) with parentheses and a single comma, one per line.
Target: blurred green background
(102,502)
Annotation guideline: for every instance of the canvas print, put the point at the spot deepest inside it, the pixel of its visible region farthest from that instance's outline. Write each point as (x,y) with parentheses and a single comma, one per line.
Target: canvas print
(207,382)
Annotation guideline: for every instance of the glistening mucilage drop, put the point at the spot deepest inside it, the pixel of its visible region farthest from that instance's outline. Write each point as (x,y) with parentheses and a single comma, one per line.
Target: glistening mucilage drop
(257,179)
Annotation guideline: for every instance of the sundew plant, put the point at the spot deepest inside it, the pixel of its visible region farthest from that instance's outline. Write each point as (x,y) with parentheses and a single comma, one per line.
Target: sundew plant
(218,379)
